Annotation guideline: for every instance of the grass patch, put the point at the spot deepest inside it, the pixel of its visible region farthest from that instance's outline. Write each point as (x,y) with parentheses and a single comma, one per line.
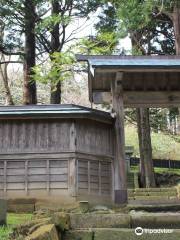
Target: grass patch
(4,232)
(16,219)
(158,170)
(164,146)
(13,220)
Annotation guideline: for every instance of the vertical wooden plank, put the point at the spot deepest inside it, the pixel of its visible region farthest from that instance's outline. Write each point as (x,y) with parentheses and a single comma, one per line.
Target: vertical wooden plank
(120,170)
(31,136)
(99,173)
(6,130)
(47,176)
(54,132)
(26,176)
(1,136)
(22,136)
(77,174)
(89,178)
(112,181)
(73,139)
(72,179)
(38,134)
(5,177)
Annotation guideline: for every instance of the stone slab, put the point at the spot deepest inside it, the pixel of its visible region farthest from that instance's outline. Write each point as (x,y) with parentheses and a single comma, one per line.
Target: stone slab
(155,208)
(155,190)
(155,194)
(22,201)
(79,235)
(155,220)
(129,234)
(93,220)
(21,208)
(46,232)
(3,211)
(154,198)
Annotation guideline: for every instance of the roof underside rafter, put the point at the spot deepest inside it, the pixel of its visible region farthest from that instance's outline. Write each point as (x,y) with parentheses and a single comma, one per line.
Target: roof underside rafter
(148,81)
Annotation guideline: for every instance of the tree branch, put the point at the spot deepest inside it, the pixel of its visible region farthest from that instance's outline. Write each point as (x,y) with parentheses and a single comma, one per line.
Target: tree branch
(2,50)
(8,62)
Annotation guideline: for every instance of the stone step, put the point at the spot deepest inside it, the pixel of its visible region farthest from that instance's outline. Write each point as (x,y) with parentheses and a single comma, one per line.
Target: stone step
(3,211)
(92,220)
(119,234)
(21,205)
(153,194)
(155,220)
(130,185)
(133,220)
(155,208)
(155,190)
(153,198)
(153,201)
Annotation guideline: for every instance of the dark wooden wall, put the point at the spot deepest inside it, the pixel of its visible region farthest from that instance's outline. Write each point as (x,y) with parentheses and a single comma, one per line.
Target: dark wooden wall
(94,137)
(34,135)
(39,158)
(55,136)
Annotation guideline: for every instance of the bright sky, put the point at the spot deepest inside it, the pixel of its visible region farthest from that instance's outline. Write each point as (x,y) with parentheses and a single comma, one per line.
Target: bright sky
(85,28)
(81,28)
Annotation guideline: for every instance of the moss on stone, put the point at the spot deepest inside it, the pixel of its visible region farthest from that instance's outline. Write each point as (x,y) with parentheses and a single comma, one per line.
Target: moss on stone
(93,220)
(45,232)
(61,220)
(79,235)
(129,234)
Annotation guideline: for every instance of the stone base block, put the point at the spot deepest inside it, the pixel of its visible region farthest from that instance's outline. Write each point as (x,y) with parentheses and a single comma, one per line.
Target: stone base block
(3,211)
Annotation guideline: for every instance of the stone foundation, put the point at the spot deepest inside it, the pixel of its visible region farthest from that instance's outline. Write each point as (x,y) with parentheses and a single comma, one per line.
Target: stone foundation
(3,211)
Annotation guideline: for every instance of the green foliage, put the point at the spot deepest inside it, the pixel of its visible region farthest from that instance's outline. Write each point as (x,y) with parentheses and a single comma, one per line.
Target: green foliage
(158,119)
(158,170)
(102,43)
(106,38)
(13,220)
(50,21)
(134,14)
(58,69)
(4,232)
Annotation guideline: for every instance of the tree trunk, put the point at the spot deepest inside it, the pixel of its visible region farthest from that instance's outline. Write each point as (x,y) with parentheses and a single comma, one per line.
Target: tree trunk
(55,46)
(140,137)
(144,132)
(176,24)
(56,93)
(29,95)
(4,74)
(147,177)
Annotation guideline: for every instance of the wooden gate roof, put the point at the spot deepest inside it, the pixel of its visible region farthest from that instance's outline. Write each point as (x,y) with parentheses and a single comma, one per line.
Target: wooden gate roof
(148,81)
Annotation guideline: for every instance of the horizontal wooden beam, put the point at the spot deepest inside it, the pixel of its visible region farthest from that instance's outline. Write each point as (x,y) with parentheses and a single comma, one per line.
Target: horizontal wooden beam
(142,98)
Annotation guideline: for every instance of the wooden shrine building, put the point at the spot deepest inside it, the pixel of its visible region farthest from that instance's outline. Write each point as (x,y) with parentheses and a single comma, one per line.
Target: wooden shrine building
(131,81)
(69,152)
(61,153)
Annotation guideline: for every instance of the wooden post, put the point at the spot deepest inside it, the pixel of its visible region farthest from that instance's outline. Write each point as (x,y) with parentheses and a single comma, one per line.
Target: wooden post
(48,176)
(73,177)
(5,177)
(26,176)
(120,188)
